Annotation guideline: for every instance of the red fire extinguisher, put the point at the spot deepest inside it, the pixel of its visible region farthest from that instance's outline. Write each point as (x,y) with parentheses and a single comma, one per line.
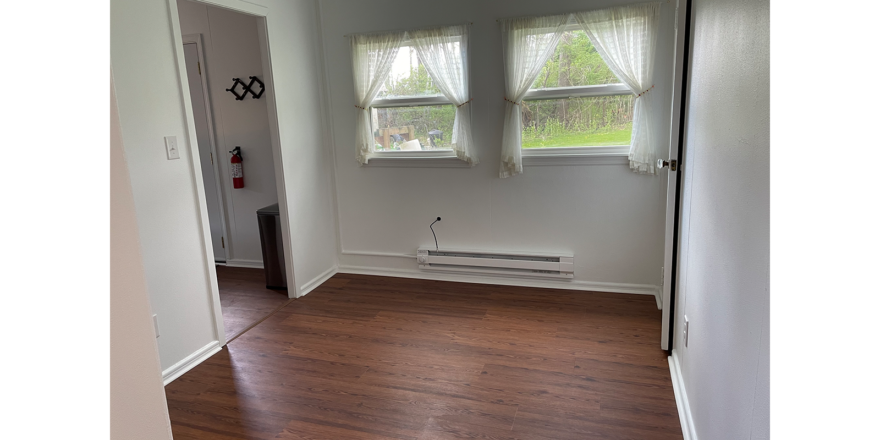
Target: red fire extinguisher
(237,171)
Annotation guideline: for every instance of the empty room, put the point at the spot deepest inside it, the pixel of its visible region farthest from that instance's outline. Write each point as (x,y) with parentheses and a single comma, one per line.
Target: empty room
(495,219)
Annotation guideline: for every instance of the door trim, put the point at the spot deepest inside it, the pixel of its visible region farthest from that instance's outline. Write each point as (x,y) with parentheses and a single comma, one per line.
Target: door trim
(197,40)
(676,223)
(262,13)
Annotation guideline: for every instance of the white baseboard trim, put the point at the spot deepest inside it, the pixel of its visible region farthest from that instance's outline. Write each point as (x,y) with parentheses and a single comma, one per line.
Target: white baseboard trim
(317,281)
(681,400)
(378,254)
(253,264)
(639,289)
(187,363)
(658,295)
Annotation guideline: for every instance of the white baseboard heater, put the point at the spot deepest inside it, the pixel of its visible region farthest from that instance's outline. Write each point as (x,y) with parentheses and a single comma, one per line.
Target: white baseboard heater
(497,263)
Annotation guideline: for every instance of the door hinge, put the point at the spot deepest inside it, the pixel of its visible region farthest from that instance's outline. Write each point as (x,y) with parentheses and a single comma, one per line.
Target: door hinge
(199,63)
(223,242)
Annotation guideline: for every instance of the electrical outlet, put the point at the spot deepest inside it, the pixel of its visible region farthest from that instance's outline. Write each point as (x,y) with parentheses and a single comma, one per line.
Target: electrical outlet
(686,328)
(156,324)
(171,147)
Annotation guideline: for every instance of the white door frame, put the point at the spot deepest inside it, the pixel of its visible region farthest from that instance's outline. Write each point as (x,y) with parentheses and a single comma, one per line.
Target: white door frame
(197,40)
(262,13)
(675,135)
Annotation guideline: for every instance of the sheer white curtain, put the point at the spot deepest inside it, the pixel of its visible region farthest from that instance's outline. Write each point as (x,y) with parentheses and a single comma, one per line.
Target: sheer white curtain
(371,59)
(444,54)
(526,44)
(626,39)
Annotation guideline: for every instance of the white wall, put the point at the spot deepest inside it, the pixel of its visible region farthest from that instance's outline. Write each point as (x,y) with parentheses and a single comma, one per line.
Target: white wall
(609,218)
(137,399)
(151,105)
(232,50)
(150,102)
(295,51)
(724,288)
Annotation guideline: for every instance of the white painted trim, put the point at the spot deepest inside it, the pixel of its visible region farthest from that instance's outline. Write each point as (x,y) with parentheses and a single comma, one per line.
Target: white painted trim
(577,92)
(378,254)
(253,264)
(195,164)
(187,363)
(688,431)
(574,159)
(674,121)
(597,151)
(209,113)
(327,124)
(607,155)
(658,295)
(275,136)
(638,289)
(245,7)
(419,154)
(262,13)
(317,281)
(428,161)
(411,101)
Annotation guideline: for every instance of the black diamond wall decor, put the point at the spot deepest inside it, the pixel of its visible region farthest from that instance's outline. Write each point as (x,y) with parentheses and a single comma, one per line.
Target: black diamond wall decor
(246,88)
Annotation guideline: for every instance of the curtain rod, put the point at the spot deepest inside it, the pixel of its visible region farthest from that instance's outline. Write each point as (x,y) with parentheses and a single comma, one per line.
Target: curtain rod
(467,23)
(499,20)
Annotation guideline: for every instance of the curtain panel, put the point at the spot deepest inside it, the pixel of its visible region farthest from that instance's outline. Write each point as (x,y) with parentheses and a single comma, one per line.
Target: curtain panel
(626,39)
(526,44)
(444,54)
(371,60)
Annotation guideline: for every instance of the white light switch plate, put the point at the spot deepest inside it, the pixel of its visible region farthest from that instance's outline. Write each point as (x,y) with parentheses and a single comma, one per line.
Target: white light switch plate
(156,324)
(171,147)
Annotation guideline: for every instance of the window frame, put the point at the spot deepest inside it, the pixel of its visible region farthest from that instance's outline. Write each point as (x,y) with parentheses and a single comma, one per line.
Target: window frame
(583,155)
(416,159)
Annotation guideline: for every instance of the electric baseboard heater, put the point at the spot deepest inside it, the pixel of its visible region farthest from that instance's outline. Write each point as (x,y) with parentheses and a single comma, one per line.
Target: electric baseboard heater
(497,263)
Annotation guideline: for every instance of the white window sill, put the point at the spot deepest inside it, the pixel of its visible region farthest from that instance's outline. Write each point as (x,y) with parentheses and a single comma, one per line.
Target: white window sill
(416,159)
(616,155)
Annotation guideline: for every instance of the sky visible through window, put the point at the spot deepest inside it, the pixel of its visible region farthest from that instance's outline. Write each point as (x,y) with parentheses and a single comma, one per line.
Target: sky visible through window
(408,77)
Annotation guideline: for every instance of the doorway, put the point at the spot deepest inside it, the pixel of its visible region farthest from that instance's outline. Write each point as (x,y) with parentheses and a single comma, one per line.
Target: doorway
(236,156)
(193,54)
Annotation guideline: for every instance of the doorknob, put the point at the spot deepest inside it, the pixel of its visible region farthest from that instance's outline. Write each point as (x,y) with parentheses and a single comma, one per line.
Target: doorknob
(672,164)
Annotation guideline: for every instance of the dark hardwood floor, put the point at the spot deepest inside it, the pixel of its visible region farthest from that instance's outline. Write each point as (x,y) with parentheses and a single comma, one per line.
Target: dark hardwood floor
(365,357)
(244,298)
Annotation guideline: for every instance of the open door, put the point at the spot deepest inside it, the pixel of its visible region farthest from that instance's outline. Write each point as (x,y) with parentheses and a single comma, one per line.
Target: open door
(193,56)
(673,166)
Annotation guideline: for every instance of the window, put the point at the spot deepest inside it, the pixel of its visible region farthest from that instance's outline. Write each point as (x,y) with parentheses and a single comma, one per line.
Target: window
(562,100)
(410,113)
(412,96)
(576,101)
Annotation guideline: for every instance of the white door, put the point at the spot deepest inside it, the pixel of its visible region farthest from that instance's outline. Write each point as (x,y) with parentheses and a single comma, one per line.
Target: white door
(673,181)
(203,136)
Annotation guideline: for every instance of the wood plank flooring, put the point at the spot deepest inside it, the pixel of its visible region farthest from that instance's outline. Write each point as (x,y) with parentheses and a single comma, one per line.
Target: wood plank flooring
(244,298)
(365,357)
